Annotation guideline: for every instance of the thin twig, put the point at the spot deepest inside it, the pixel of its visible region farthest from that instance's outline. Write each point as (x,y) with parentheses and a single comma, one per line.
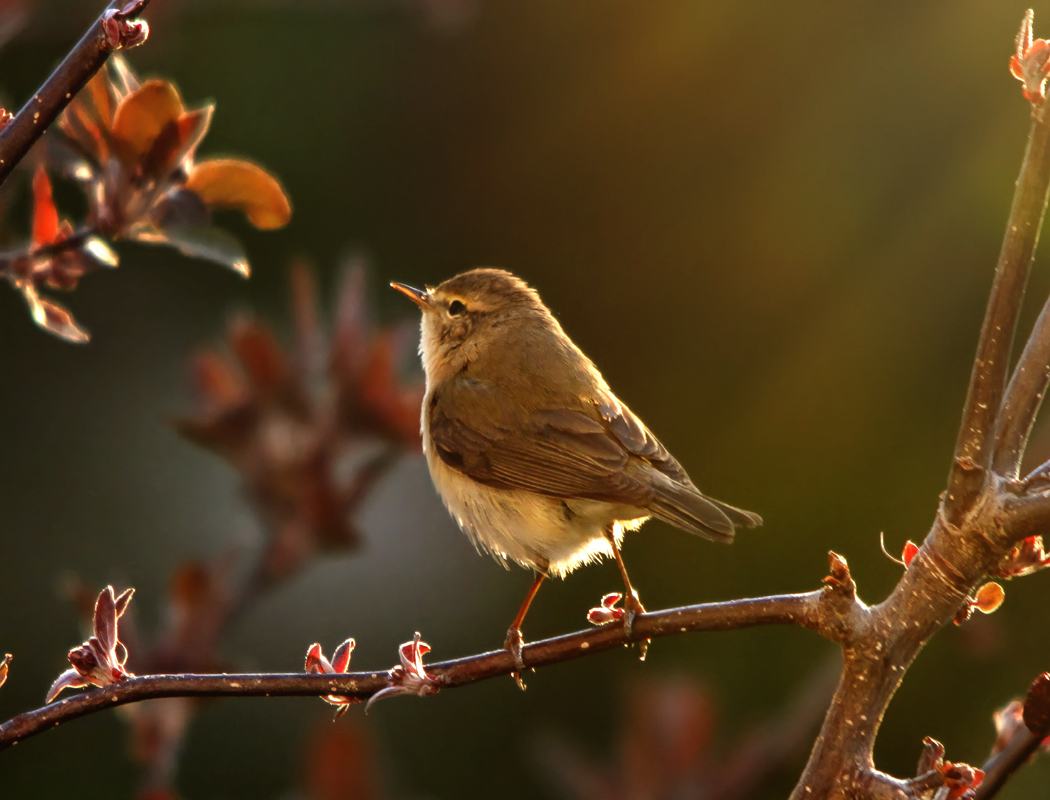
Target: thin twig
(69,77)
(999,768)
(974,446)
(808,610)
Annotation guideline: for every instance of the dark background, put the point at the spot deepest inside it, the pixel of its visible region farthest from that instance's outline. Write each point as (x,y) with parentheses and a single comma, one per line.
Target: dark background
(772,226)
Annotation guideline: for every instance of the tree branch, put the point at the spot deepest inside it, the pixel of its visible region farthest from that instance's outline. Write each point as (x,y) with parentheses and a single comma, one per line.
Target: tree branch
(819,611)
(999,768)
(111,31)
(974,446)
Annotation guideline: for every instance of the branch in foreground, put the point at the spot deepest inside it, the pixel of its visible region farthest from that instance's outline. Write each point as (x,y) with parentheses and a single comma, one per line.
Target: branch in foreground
(816,611)
(1023,729)
(114,30)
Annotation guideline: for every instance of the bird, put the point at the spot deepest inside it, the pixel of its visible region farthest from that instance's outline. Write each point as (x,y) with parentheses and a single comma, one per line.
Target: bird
(532,454)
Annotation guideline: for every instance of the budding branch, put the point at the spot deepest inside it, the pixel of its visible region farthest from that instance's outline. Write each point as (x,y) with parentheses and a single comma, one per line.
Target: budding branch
(821,611)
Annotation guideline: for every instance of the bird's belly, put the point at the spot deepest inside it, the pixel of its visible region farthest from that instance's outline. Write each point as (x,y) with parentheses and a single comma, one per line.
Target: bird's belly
(537,531)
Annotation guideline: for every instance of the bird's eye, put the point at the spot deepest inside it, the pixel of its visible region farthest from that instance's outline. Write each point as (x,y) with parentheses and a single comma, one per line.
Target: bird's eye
(455,308)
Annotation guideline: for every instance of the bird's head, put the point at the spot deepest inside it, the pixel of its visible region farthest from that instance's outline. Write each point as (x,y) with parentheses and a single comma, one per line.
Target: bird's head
(470,315)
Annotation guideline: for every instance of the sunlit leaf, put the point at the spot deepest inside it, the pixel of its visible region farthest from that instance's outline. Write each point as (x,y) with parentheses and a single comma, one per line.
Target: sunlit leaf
(204,242)
(176,141)
(989,597)
(100,251)
(142,116)
(230,183)
(126,81)
(45,215)
(52,317)
(97,90)
(180,208)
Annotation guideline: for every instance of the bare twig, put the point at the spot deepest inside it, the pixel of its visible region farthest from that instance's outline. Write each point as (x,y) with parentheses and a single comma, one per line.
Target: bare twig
(974,447)
(999,768)
(811,610)
(106,34)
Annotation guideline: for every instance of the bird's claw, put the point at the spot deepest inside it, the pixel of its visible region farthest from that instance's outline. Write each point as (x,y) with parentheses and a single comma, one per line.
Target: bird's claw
(632,606)
(514,644)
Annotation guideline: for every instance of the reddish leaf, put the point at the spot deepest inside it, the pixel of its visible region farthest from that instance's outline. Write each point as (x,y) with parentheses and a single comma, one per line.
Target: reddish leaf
(1037,706)
(229,183)
(340,765)
(217,384)
(910,550)
(45,215)
(98,92)
(142,116)
(177,141)
(259,354)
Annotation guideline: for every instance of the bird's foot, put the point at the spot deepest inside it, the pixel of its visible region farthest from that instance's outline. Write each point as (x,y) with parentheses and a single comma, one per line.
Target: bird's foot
(514,644)
(632,606)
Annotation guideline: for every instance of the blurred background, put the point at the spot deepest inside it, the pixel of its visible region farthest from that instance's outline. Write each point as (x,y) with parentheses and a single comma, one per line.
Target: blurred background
(773,228)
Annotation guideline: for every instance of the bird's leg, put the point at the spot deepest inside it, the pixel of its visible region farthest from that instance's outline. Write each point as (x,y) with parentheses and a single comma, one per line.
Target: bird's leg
(632,604)
(515,641)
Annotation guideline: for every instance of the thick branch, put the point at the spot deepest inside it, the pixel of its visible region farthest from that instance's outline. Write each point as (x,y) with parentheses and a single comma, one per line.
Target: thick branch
(82,62)
(818,611)
(974,447)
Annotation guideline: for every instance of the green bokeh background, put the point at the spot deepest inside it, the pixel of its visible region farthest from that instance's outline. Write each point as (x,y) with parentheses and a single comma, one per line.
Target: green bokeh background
(772,226)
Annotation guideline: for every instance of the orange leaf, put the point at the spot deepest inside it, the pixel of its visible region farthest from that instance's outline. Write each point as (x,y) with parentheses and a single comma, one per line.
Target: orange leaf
(230,183)
(98,90)
(45,215)
(177,141)
(989,597)
(142,116)
(3,668)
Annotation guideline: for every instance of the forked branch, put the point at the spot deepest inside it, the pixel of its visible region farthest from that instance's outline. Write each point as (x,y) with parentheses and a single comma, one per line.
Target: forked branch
(828,611)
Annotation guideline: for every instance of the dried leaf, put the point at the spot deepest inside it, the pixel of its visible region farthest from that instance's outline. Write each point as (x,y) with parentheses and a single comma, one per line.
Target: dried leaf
(45,215)
(4,662)
(142,116)
(230,183)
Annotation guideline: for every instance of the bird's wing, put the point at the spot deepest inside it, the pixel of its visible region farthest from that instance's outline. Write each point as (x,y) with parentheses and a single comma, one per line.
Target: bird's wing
(594,451)
(580,452)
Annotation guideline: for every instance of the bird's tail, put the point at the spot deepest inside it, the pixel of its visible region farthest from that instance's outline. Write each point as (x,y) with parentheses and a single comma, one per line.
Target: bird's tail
(684,507)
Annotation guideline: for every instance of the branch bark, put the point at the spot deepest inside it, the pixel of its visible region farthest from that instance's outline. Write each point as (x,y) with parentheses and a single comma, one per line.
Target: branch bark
(977,434)
(78,67)
(824,611)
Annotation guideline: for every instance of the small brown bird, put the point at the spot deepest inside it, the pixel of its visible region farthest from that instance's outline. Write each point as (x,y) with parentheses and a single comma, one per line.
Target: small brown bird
(531,452)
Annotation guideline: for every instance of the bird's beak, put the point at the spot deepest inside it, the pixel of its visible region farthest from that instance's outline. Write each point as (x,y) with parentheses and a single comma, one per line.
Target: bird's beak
(417,296)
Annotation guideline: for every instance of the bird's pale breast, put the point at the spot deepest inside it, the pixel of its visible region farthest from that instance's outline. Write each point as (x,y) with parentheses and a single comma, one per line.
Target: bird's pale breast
(537,531)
